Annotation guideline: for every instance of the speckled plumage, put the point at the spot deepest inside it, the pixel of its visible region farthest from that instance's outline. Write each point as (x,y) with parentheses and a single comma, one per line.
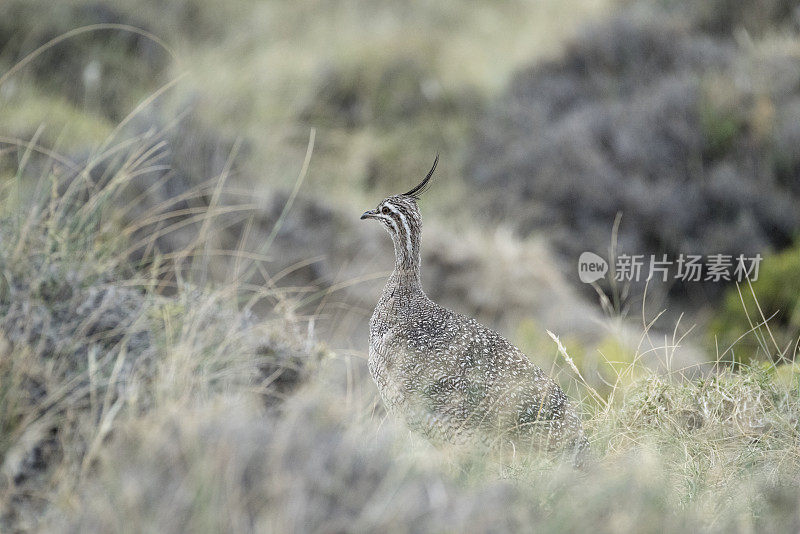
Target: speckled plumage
(448,376)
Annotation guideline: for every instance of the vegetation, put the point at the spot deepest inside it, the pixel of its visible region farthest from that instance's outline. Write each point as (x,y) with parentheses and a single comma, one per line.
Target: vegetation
(662,113)
(176,356)
(124,409)
(768,311)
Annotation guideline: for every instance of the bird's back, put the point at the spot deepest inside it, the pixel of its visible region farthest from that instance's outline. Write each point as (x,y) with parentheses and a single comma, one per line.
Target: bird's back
(458,381)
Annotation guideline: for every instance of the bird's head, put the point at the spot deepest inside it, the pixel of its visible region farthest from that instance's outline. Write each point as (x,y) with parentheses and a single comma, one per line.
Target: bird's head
(399,211)
(400,216)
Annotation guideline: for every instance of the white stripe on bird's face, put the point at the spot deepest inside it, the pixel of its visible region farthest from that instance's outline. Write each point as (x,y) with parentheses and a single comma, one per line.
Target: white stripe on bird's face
(391,221)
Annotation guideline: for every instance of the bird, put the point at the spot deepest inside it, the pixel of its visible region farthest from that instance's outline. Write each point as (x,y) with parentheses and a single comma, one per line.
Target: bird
(446,375)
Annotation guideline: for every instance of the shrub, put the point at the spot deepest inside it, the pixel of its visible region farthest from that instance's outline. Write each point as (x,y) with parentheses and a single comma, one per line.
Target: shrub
(651,116)
(762,321)
(106,71)
(86,339)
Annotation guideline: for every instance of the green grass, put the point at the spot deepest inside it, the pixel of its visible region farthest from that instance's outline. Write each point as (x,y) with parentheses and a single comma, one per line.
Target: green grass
(66,126)
(761,321)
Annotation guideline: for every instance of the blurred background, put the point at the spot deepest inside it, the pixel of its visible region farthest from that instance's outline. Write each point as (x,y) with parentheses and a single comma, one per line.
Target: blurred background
(553,119)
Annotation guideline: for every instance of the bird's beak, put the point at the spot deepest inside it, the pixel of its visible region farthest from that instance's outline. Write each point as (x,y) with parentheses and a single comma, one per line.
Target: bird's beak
(369,214)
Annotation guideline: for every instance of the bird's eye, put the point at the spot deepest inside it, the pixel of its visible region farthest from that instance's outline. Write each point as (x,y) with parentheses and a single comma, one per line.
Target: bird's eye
(385,210)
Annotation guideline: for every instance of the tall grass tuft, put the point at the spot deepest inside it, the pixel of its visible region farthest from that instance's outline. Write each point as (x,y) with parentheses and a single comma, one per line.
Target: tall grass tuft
(97,329)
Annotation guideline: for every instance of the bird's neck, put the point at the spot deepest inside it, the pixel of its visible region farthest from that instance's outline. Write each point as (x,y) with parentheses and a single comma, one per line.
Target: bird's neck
(405,278)
(404,282)
(407,257)
(402,289)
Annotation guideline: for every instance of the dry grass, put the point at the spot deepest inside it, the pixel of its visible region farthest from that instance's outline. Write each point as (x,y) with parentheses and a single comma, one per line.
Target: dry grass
(136,400)
(140,393)
(89,341)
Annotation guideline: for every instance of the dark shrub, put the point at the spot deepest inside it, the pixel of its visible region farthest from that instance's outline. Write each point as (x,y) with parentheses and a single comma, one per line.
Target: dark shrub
(652,116)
